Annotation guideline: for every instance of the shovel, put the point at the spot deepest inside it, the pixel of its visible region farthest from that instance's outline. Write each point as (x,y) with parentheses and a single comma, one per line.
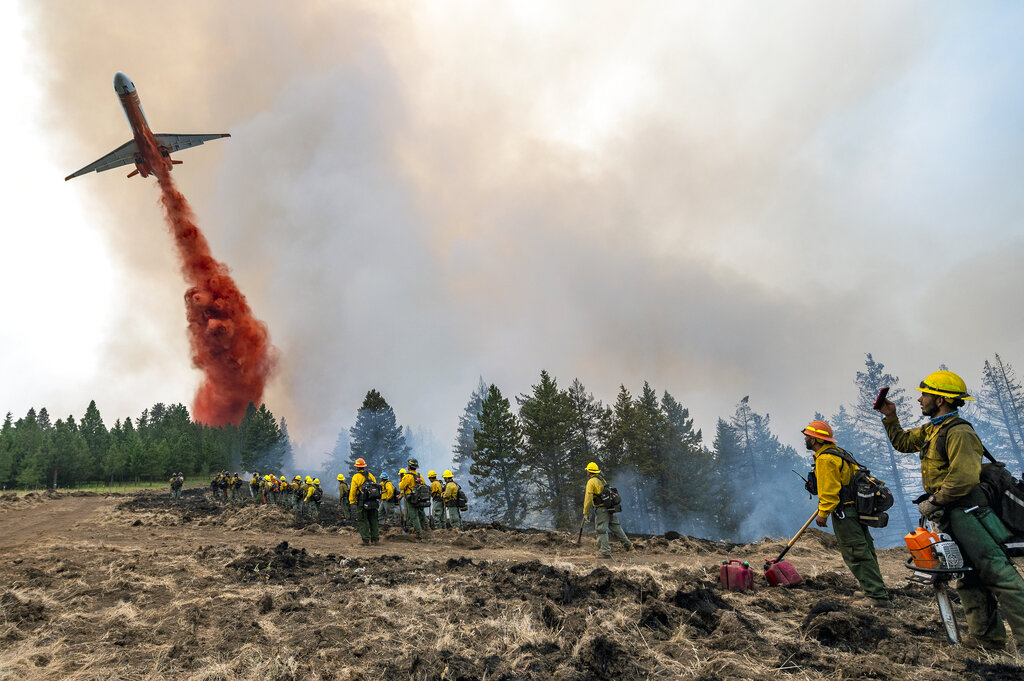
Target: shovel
(780,572)
(579,537)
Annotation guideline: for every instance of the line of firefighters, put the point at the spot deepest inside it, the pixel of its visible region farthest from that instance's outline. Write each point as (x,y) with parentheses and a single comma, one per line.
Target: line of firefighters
(951,459)
(366,501)
(373,502)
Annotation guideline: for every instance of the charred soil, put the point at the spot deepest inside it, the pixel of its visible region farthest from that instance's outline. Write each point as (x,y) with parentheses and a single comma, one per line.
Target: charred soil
(142,587)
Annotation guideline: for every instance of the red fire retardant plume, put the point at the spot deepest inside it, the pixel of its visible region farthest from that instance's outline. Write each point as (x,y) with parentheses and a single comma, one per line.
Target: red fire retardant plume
(229,345)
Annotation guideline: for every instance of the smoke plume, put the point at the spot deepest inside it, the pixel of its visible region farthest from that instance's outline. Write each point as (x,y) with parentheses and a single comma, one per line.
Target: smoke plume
(229,345)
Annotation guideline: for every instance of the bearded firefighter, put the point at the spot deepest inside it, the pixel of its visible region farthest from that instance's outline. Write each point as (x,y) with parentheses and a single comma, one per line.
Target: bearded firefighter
(951,456)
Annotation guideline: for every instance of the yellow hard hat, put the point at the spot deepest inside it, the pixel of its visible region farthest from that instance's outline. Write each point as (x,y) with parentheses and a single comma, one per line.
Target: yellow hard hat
(316,481)
(431,474)
(401,471)
(308,480)
(945,384)
(592,468)
(267,477)
(447,474)
(341,478)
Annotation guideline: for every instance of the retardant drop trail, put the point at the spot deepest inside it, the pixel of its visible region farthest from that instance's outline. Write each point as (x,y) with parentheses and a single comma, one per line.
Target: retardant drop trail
(229,345)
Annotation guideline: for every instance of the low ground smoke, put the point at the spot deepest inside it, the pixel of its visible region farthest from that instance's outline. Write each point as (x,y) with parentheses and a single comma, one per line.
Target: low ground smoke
(229,345)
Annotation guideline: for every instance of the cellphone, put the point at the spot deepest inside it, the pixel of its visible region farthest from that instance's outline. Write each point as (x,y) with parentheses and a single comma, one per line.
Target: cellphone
(882,394)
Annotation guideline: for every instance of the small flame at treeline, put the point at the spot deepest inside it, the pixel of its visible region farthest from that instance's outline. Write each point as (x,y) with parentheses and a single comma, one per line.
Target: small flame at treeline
(229,345)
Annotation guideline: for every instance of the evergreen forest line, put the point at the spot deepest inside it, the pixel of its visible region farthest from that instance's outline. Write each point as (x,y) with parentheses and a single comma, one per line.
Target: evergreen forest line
(524,465)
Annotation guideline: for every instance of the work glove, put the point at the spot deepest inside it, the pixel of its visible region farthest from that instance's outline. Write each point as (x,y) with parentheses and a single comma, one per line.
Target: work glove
(930,510)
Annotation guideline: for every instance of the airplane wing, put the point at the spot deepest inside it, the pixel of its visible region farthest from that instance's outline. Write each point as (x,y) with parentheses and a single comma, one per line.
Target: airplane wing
(121,156)
(172,142)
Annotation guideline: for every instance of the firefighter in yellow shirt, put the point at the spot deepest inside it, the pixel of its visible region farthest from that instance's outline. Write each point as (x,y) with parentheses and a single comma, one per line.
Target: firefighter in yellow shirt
(833,471)
(387,512)
(606,519)
(313,497)
(343,505)
(416,502)
(436,494)
(450,498)
(366,507)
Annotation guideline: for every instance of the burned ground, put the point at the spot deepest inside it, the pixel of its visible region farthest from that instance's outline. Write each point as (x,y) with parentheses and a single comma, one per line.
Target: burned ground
(141,587)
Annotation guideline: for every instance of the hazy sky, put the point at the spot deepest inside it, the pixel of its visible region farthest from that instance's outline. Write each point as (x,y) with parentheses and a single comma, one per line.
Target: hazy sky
(723,199)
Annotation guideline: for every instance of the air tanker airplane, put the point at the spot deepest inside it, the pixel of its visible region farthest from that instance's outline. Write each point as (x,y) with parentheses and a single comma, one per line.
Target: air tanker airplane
(130,152)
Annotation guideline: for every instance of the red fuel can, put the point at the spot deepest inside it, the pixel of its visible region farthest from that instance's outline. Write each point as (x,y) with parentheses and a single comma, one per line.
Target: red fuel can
(738,577)
(781,573)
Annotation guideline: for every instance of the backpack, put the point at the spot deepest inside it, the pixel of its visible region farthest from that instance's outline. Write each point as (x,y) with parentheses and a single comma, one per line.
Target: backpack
(420,496)
(461,500)
(870,496)
(369,495)
(609,498)
(318,495)
(1003,492)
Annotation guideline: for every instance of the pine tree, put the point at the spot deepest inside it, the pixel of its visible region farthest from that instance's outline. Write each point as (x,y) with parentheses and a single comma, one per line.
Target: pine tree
(729,456)
(1000,401)
(287,451)
(617,435)
(7,452)
(260,441)
(376,436)
(497,478)
(871,445)
(70,461)
(648,457)
(337,460)
(545,417)
(95,433)
(690,468)
(589,420)
(469,420)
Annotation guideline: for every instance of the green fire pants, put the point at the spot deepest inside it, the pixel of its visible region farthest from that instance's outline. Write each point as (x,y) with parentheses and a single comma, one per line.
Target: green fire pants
(369,530)
(454,517)
(858,551)
(609,523)
(418,517)
(992,585)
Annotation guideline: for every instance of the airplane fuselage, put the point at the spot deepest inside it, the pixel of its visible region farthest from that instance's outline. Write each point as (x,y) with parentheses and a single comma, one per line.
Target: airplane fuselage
(129,96)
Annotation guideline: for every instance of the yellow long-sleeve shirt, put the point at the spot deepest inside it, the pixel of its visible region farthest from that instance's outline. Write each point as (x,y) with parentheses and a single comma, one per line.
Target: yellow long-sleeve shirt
(831,473)
(310,492)
(408,483)
(387,492)
(451,491)
(594,487)
(357,481)
(436,489)
(948,477)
